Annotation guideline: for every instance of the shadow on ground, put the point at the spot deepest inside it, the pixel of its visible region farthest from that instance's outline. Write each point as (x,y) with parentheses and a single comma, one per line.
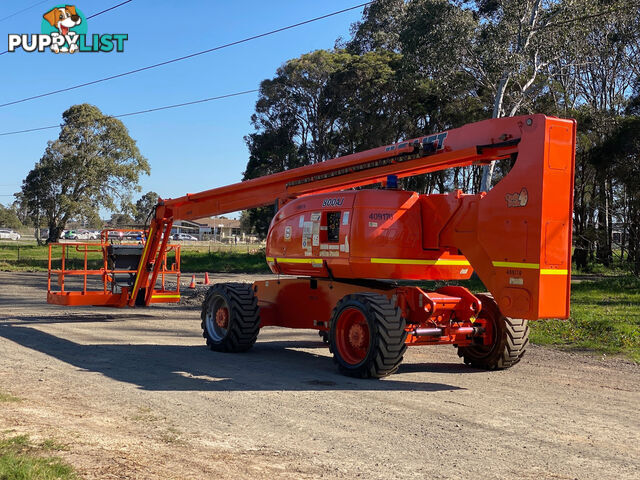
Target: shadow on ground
(269,366)
(70,318)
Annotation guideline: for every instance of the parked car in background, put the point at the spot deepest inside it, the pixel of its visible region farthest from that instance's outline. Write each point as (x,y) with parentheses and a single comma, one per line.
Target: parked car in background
(83,235)
(184,236)
(115,235)
(8,234)
(134,235)
(126,236)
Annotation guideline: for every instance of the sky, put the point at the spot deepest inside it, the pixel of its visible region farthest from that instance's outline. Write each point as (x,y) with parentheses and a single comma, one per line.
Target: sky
(190,149)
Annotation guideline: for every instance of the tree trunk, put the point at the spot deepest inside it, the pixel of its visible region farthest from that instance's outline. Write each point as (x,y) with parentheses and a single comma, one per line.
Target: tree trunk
(487,170)
(38,228)
(610,207)
(633,246)
(603,249)
(54,232)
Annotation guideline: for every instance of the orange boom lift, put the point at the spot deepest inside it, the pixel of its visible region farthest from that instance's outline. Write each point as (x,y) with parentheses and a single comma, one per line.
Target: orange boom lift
(344,250)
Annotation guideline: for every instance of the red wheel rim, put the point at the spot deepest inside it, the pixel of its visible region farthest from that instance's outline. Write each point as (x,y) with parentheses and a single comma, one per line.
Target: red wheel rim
(487,320)
(352,336)
(222,317)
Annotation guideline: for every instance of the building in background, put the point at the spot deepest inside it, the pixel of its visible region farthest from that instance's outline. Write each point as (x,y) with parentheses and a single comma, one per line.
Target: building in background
(187,226)
(220,229)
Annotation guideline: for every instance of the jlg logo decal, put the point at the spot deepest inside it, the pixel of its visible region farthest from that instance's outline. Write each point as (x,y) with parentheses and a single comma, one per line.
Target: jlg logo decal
(517,199)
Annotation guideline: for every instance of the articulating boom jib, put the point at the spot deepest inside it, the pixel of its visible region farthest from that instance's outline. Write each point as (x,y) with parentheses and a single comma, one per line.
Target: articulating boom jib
(350,245)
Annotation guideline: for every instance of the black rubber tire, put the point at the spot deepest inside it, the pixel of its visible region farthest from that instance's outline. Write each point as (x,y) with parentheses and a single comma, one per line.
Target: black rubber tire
(244,317)
(511,340)
(386,333)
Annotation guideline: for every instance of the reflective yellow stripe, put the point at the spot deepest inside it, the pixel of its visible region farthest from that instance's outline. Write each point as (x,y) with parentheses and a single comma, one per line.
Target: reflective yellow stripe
(144,252)
(405,261)
(517,265)
(553,271)
(437,262)
(533,266)
(165,296)
(299,260)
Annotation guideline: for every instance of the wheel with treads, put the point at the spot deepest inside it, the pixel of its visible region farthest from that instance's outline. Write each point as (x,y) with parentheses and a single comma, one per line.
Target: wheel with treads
(510,339)
(367,335)
(230,317)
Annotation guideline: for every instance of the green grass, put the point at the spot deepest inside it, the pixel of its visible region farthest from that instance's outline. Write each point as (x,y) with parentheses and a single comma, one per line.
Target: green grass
(21,459)
(7,398)
(227,262)
(194,258)
(51,444)
(34,258)
(605,318)
(22,257)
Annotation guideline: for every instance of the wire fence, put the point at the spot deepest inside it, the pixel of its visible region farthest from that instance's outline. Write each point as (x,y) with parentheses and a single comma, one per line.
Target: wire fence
(27,253)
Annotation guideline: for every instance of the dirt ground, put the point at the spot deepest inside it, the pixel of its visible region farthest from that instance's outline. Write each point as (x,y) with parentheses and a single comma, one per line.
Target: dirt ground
(135,394)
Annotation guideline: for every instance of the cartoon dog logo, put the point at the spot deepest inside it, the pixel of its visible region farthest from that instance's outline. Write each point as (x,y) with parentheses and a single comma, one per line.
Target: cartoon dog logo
(517,199)
(64,19)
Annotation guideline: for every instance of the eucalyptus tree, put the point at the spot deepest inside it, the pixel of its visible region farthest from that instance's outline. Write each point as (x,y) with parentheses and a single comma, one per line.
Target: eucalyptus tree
(93,164)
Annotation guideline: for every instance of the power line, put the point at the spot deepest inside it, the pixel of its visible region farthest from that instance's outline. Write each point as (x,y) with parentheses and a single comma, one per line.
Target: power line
(29,130)
(90,16)
(23,10)
(140,112)
(185,57)
(187,103)
(109,9)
